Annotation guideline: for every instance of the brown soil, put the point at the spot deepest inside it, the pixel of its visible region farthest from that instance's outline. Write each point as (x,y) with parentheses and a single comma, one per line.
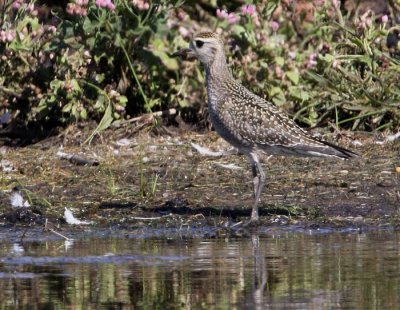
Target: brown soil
(157,179)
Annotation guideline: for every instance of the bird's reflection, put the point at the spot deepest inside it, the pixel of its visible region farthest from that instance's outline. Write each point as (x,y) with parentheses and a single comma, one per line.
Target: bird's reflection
(260,273)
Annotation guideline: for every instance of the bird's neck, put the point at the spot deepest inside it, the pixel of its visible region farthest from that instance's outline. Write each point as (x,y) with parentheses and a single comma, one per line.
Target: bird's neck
(217,72)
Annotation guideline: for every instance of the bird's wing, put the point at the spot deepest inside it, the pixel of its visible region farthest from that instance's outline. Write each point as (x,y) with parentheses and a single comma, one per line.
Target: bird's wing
(263,124)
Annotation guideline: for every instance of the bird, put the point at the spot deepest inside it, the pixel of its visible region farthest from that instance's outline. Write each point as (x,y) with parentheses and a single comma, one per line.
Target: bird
(248,122)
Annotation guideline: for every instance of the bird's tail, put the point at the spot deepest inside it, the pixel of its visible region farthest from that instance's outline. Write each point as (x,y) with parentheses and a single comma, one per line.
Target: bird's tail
(339,151)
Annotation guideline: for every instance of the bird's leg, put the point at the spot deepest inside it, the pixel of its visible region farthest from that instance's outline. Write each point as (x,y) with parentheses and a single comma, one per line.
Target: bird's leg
(255,177)
(258,181)
(260,185)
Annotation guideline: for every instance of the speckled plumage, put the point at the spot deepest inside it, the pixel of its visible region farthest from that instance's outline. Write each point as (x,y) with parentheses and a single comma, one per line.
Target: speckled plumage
(249,122)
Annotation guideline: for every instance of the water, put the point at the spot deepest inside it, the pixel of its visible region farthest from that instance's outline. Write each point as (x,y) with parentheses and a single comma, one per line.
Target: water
(283,270)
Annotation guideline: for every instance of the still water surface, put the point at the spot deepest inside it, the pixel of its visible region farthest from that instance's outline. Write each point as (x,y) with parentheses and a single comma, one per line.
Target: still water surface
(285,270)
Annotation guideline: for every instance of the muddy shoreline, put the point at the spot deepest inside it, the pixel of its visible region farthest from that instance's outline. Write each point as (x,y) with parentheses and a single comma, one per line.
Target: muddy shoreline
(161,182)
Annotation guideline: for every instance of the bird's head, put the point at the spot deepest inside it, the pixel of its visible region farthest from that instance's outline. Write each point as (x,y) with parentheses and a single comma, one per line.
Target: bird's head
(204,47)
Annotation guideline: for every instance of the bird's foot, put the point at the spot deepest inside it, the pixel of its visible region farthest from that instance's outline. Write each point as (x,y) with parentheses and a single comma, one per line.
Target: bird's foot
(254,214)
(253,222)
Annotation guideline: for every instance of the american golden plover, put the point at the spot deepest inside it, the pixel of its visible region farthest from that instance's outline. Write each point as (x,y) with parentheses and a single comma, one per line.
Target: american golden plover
(247,121)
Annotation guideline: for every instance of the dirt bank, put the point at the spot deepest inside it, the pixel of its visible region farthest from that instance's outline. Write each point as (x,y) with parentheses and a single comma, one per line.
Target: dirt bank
(162,181)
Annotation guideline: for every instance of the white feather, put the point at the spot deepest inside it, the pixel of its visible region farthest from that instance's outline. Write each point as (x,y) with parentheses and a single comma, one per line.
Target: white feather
(206,152)
(72,220)
(229,166)
(17,200)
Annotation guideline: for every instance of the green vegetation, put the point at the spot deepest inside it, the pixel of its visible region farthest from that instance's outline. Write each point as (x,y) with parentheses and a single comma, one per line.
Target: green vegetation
(108,61)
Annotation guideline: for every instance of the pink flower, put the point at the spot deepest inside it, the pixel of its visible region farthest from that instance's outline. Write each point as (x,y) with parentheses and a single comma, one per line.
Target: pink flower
(274,26)
(312,60)
(142,5)
(248,9)
(80,11)
(222,14)
(51,28)
(256,20)
(119,108)
(87,56)
(182,15)
(278,72)
(7,36)
(183,31)
(71,8)
(10,36)
(319,3)
(16,5)
(106,4)
(111,6)
(233,18)
(384,19)
(30,7)
(365,21)
(78,7)
(171,23)
(335,63)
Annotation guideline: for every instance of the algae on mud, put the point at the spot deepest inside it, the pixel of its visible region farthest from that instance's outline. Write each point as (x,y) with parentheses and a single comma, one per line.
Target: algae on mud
(153,180)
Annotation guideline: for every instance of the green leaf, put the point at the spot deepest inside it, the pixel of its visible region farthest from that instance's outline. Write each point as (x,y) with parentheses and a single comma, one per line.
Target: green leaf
(87,26)
(83,113)
(238,29)
(98,57)
(293,75)
(75,85)
(74,109)
(152,103)
(159,51)
(318,78)
(270,7)
(105,122)
(275,90)
(118,41)
(90,42)
(328,58)
(67,108)
(277,95)
(99,105)
(123,100)
(298,93)
(183,102)
(100,77)
(280,61)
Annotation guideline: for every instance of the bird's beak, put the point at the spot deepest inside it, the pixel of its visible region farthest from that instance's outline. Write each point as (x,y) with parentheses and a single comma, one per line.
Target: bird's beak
(186,53)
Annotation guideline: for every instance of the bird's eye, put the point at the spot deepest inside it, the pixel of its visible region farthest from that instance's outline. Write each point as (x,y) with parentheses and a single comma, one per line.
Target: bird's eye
(199,43)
